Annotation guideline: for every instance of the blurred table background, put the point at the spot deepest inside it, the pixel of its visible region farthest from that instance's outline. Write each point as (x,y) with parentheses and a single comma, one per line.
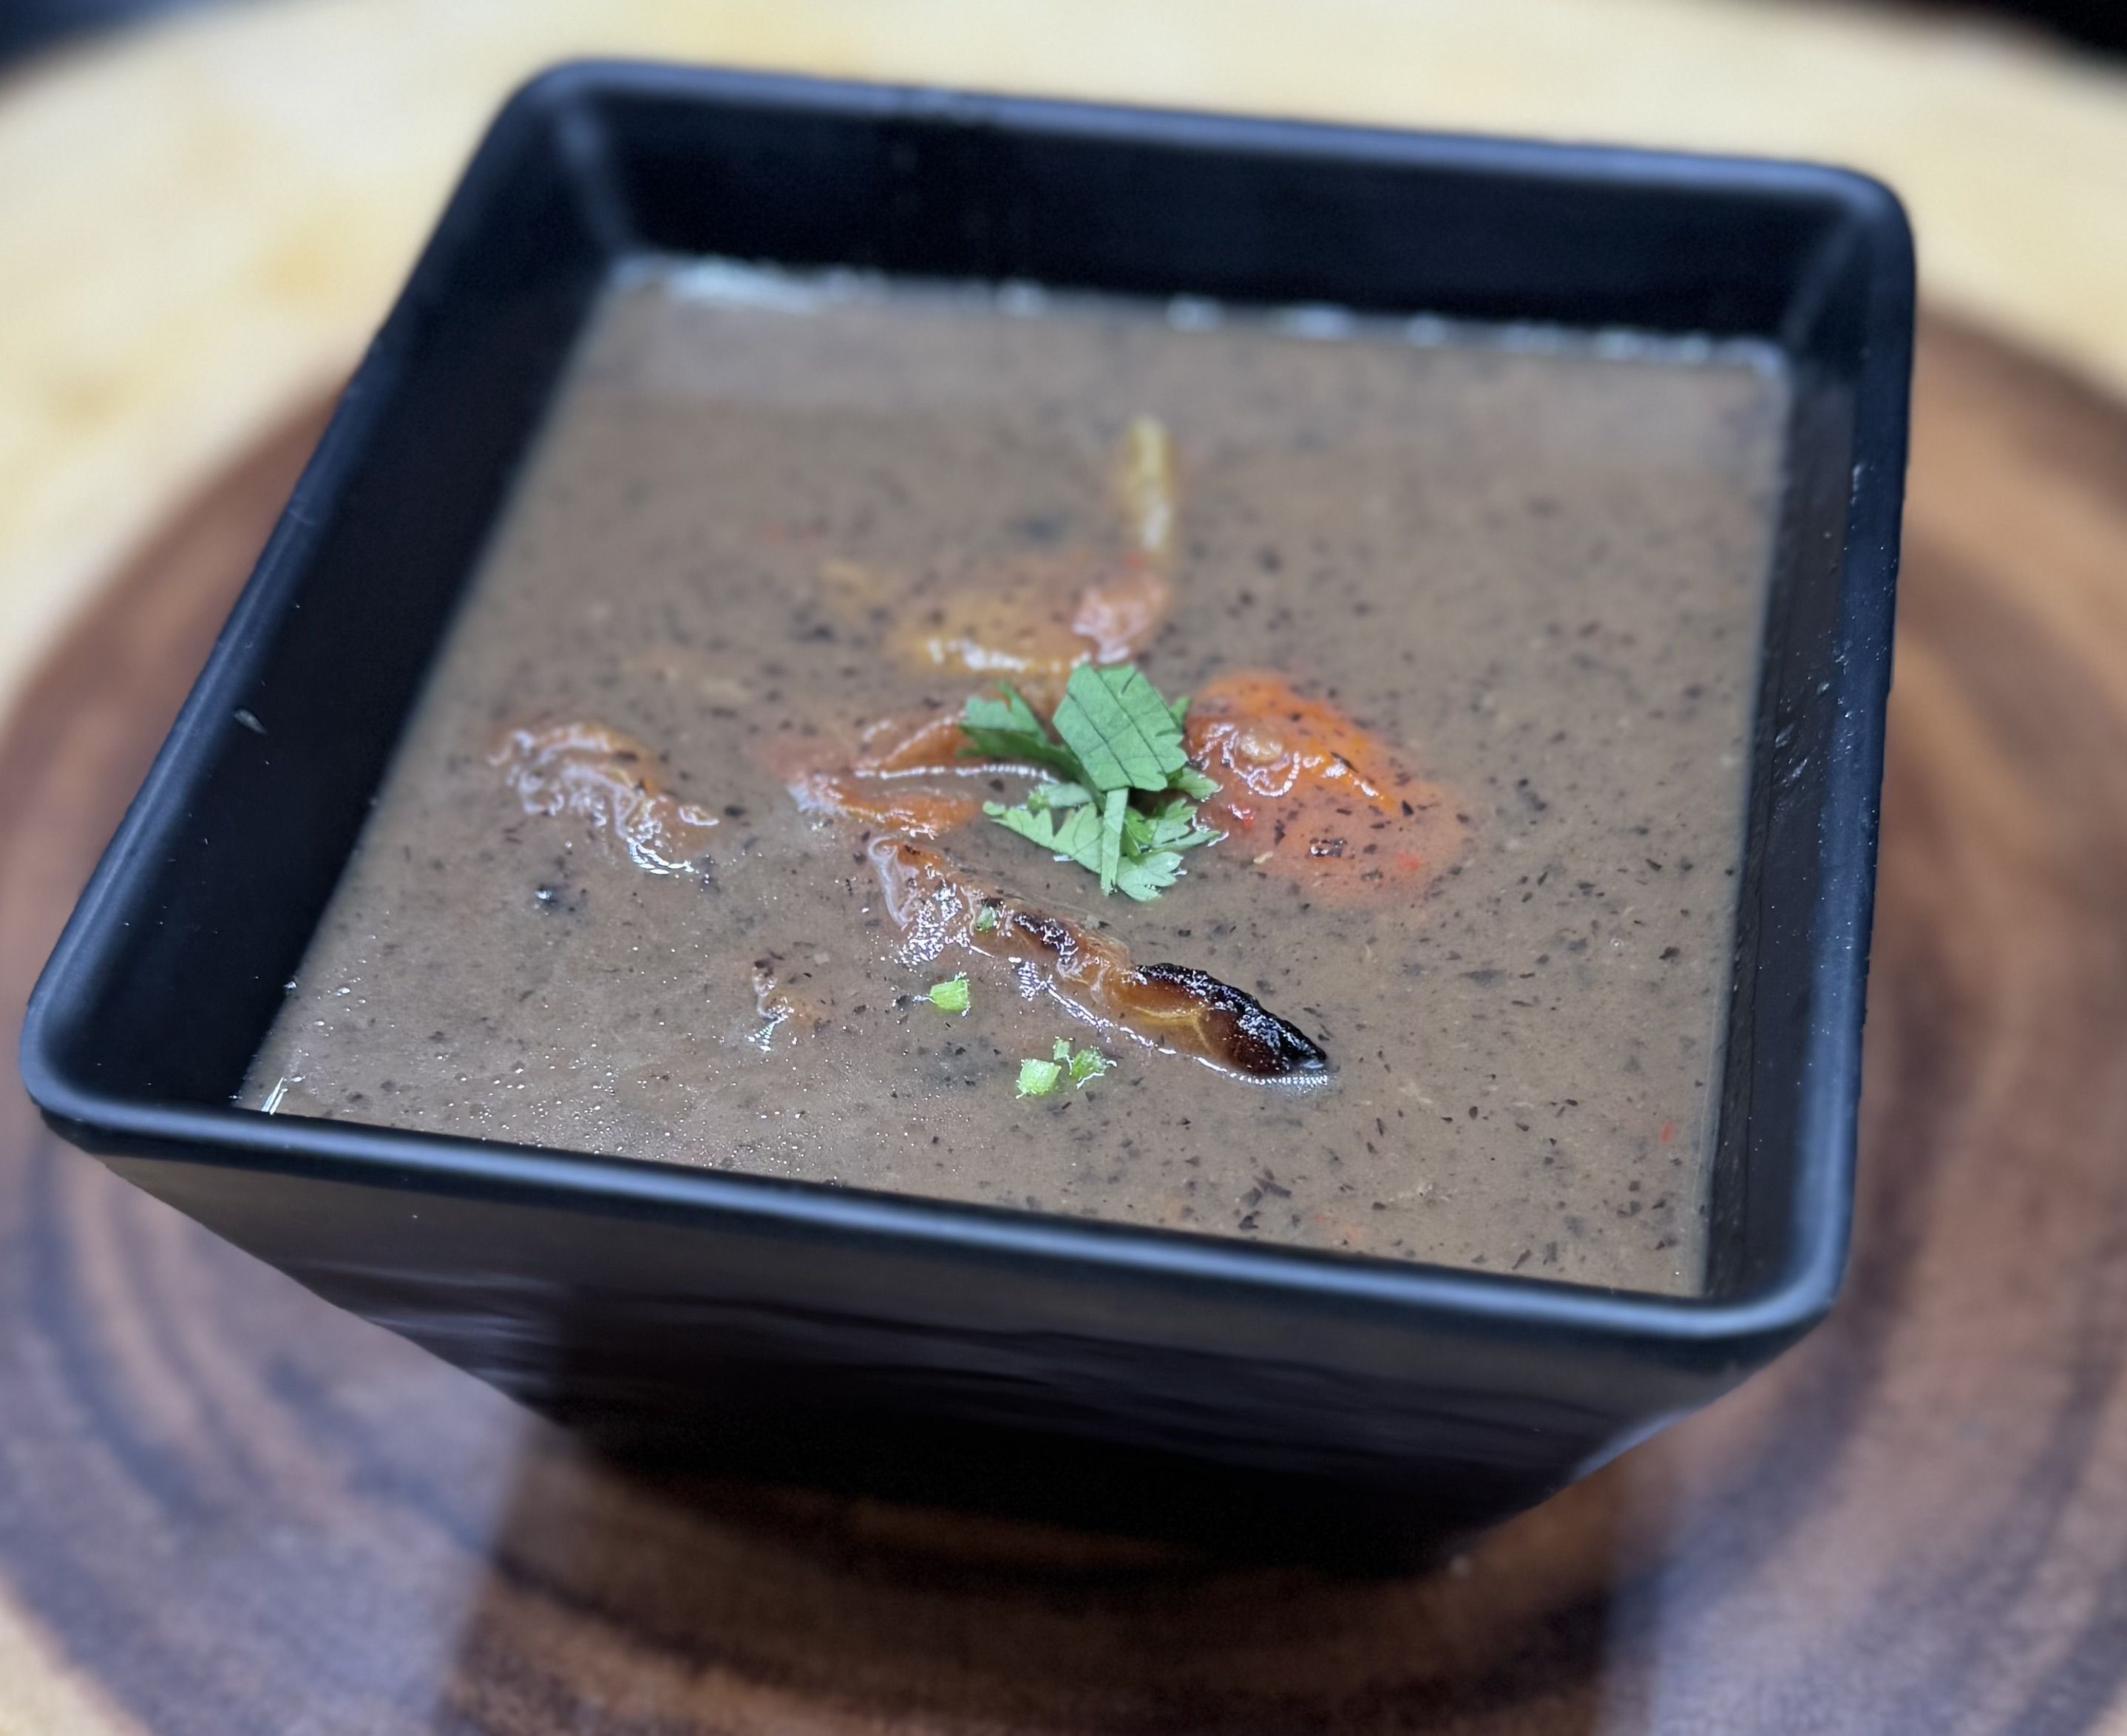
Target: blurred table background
(201,221)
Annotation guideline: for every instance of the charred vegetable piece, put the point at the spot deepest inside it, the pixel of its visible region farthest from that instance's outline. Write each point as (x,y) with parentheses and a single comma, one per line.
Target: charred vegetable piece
(1117,617)
(1248,1036)
(1037,616)
(609,779)
(937,907)
(872,792)
(932,744)
(1307,793)
(871,801)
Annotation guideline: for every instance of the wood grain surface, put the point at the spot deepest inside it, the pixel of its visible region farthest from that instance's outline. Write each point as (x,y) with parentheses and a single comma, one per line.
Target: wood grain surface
(228,1509)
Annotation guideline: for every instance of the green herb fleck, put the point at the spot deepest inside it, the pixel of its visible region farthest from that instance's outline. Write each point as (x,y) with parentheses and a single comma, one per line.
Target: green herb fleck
(1038,1079)
(1122,804)
(1087,1064)
(951,996)
(986,919)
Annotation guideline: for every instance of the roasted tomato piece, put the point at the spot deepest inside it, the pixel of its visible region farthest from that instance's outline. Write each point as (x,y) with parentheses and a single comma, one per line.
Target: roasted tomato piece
(1309,793)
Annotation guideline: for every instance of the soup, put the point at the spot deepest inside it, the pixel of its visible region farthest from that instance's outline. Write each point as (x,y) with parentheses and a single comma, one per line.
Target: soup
(803,789)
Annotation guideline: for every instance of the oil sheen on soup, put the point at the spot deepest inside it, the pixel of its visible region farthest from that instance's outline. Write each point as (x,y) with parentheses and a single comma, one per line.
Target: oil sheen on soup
(1408,936)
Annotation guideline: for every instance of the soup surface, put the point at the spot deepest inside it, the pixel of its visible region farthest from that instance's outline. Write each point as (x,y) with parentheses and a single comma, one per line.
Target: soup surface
(683,834)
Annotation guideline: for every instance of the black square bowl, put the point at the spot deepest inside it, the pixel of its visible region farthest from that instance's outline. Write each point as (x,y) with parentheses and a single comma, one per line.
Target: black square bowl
(1119,1374)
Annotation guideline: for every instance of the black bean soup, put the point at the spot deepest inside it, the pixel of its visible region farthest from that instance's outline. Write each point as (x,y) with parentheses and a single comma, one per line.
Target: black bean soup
(1407,937)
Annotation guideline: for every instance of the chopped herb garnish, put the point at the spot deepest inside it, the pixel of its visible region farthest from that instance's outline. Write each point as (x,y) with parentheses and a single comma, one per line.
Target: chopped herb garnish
(1115,821)
(1038,1079)
(1087,1064)
(1148,876)
(1122,804)
(1078,837)
(1123,734)
(1007,728)
(951,995)
(986,919)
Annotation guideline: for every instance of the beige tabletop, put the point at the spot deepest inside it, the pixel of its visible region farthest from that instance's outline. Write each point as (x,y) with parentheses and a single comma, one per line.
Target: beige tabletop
(204,221)
(201,224)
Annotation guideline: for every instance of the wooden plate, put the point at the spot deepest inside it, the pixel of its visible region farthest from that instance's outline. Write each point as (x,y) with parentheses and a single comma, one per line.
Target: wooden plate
(232,1508)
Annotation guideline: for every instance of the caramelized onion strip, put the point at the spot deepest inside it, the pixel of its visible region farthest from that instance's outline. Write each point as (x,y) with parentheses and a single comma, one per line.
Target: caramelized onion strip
(611,780)
(937,908)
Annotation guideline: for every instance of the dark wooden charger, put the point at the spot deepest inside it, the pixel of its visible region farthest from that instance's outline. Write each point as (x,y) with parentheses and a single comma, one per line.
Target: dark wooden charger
(232,1508)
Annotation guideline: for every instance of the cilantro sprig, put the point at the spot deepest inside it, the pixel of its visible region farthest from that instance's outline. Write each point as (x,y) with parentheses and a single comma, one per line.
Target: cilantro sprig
(1121,798)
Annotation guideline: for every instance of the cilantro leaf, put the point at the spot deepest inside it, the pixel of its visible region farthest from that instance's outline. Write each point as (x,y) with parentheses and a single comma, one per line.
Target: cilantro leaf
(1119,729)
(1005,715)
(1004,727)
(1173,826)
(1038,1079)
(951,995)
(1062,1051)
(1078,838)
(1147,876)
(1169,828)
(1083,837)
(1122,745)
(1037,828)
(1112,813)
(1087,1064)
